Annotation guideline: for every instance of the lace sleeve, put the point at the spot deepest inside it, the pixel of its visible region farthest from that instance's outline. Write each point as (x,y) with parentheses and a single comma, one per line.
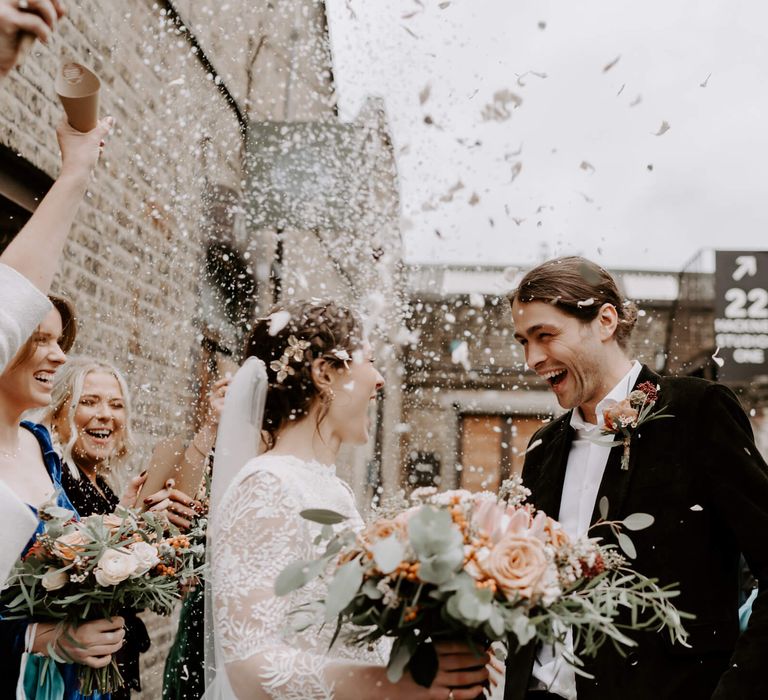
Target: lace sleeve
(258,534)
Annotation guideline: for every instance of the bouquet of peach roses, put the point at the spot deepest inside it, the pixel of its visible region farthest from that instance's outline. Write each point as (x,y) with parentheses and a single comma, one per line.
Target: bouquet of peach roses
(92,568)
(477,568)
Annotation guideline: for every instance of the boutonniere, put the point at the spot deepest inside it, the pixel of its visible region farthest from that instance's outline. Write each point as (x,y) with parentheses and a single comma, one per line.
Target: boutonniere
(623,418)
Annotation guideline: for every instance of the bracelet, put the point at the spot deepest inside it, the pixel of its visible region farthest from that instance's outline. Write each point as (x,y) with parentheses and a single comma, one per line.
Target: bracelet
(29,637)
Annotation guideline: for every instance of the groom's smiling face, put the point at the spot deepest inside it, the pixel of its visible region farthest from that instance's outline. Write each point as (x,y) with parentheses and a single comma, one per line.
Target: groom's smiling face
(563,350)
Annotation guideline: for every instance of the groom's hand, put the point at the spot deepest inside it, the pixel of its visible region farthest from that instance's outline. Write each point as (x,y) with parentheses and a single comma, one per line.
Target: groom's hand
(461,670)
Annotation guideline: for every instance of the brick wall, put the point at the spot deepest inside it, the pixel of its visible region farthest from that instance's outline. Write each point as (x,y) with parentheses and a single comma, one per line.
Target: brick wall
(132,264)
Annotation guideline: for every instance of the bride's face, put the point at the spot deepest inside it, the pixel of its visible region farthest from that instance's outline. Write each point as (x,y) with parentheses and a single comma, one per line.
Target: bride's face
(354,388)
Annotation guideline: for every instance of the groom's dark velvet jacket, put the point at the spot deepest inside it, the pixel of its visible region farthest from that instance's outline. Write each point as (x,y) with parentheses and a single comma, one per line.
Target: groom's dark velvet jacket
(701,477)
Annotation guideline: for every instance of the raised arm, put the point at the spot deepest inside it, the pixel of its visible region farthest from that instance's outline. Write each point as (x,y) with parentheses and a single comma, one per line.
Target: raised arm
(19,28)
(185,460)
(36,250)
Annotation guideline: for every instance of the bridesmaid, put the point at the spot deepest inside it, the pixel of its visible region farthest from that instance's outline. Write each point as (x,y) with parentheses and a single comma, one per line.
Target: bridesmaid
(90,416)
(32,469)
(183,678)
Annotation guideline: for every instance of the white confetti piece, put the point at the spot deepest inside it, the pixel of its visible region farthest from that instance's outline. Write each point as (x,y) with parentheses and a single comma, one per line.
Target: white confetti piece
(278,321)
(460,355)
(533,445)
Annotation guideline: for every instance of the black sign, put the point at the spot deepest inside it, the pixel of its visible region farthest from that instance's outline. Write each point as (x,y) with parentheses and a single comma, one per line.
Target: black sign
(741,314)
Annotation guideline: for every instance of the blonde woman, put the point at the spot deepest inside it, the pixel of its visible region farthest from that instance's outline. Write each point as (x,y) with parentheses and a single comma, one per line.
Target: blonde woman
(90,414)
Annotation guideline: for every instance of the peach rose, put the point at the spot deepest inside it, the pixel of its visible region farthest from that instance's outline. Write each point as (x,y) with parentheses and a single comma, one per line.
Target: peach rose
(619,415)
(488,516)
(70,546)
(53,579)
(383,528)
(112,521)
(520,520)
(517,564)
(555,533)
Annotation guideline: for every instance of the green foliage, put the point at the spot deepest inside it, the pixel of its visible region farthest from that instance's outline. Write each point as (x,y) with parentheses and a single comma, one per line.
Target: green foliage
(437,542)
(342,588)
(638,521)
(388,553)
(323,516)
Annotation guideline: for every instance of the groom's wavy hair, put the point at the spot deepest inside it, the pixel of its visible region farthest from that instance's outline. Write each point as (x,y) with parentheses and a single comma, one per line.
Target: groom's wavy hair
(579,288)
(331,331)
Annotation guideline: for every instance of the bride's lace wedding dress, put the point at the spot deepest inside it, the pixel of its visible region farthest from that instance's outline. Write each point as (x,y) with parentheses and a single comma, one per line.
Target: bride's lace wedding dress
(257,533)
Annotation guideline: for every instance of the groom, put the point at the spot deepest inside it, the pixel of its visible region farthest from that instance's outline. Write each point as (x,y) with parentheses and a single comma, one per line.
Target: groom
(698,473)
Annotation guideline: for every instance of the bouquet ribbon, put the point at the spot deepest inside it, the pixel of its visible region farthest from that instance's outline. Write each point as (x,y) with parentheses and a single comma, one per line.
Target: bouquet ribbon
(39,677)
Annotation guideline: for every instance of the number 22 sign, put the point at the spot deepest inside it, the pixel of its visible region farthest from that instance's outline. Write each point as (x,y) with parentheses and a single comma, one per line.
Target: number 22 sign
(741,313)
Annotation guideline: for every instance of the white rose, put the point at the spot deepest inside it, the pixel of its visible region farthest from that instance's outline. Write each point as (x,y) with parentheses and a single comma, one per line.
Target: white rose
(114,566)
(146,557)
(53,579)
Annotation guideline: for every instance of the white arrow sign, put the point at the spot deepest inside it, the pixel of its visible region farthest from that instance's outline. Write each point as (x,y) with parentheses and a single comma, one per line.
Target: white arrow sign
(745,265)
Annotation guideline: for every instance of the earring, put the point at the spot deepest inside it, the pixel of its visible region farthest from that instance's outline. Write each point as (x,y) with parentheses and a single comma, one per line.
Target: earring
(329,396)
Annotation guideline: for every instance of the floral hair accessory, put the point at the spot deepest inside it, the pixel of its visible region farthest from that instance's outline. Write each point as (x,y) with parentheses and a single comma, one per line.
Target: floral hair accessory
(622,418)
(293,353)
(342,355)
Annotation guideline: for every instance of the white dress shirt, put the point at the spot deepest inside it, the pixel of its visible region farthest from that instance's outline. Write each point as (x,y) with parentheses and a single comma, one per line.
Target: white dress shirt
(583,474)
(22,307)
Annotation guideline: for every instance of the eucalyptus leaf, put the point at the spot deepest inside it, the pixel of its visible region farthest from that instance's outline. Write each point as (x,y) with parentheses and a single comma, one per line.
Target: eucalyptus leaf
(402,651)
(627,546)
(638,521)
(388,553)
(323,516)
(603,506)
(437,542)
(333,547)
(371,591)
(294,576)
(522,628)
(343,588)
(496,623)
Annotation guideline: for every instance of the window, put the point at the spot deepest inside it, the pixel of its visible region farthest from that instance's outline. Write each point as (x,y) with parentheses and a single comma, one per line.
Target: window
(22,186)
(492,448)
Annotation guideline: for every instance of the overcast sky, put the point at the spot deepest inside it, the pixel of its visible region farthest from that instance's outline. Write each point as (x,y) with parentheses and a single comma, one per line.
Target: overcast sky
(576,166)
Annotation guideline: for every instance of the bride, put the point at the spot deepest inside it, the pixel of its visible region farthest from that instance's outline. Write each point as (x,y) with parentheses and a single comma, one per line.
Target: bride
(320,380)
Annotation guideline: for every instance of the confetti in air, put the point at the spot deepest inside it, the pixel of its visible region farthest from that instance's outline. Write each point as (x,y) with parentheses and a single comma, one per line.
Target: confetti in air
(278,321)
(610,65)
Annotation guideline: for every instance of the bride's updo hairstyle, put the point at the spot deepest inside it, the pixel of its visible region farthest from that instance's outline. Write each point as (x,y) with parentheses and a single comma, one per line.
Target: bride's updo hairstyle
(288,341)
(579,288)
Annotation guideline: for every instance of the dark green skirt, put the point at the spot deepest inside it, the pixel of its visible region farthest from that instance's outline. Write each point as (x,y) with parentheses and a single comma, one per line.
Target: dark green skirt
(184,677)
